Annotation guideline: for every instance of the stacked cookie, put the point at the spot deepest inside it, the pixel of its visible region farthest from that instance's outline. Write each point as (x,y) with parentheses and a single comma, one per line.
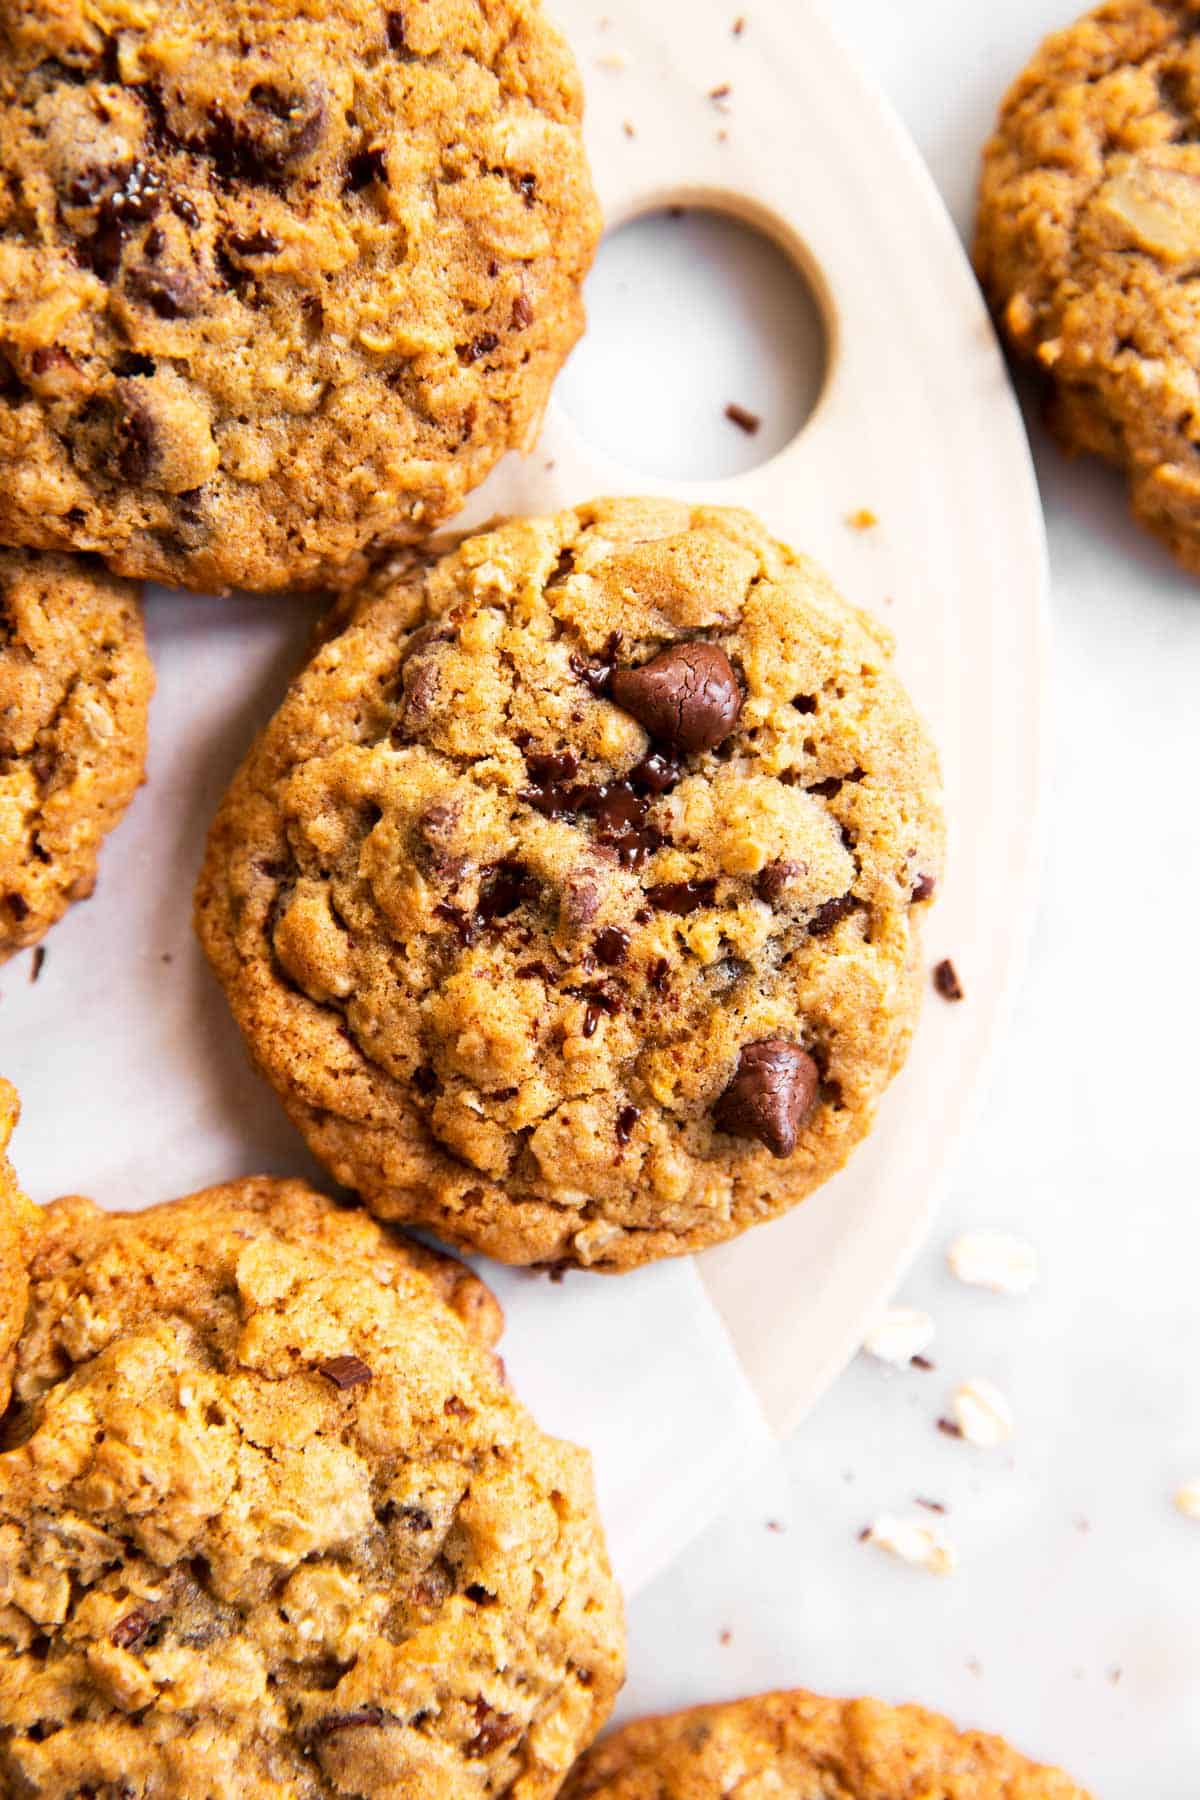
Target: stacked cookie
(571,903)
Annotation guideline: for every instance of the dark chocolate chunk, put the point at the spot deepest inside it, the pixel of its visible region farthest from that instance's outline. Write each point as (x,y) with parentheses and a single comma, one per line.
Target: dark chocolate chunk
(479,347)
(253,243)
(171,293)
(771,1096)
(522,314)
(395,31)
(924,889)
(681,897)
(505,886)
(830,914)
(776,878)
(493,1729)
(598,674)
(366,167)
(346,1371)
(611,946)
(945,980)
(687,696)
(347,1721)
(627,1118)
(656,774)
(553,768)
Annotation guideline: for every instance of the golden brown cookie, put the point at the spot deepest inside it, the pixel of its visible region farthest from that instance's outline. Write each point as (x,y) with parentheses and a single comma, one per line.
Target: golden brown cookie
(798,1746)
(571,900)
(18,1224)
(279,282)
(271,1524)
(1088,245)
(75,687)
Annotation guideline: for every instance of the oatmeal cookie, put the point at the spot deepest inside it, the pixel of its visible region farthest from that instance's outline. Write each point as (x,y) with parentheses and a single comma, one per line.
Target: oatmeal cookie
(273,1528)
(278,282)
(75,688)
(571,900)
(1088,245)
(799,1746)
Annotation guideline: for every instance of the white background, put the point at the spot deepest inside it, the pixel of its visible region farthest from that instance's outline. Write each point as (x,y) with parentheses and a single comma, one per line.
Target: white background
(1073,1624)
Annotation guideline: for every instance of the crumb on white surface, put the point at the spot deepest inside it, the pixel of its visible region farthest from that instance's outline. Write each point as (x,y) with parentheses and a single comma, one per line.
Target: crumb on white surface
(913,1541)
(982,1414)
(899,1334)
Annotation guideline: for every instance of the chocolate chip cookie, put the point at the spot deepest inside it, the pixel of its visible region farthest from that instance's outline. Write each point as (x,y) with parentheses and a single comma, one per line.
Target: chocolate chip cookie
(75,687)
(572,899)
(272,1525)
(1088,245)
(800,1746)
(278,283)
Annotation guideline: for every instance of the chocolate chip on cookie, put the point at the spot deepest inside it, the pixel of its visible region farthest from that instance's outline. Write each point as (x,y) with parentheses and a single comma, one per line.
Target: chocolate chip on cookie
(687,696)
(772,1094)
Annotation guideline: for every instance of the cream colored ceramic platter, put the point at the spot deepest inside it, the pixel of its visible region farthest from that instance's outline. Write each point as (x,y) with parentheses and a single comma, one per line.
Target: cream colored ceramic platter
(134,1083)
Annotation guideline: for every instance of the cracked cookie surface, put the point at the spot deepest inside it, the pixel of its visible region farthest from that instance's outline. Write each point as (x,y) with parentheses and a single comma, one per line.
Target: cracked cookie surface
(571,899)
(75,688)
(271,1523)
(279,283)
(799,1746)
(1088,245)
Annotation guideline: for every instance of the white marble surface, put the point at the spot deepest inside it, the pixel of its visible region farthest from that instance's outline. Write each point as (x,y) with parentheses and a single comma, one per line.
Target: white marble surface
(1073,1622)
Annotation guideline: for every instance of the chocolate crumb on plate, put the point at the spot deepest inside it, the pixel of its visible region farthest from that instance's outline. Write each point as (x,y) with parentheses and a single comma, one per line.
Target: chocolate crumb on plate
(946,981)
(743,418)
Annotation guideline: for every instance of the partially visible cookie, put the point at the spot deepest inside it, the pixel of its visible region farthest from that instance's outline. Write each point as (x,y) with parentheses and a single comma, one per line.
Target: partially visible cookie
(572,899)
(1088,245)
(279,283)
(272,1527)
(75,688)
(18,1223)
(798,1746)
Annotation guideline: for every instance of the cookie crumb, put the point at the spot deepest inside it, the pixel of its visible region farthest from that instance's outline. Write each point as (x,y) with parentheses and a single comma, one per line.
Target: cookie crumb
(923,1363)
(616,60)
(974,1666)
(949,1428)
(946,981)
(739,27)
(38,962)
(726,1637)
(720,94)
(1115,1674)
(862,520)
(166,957)
(777,1526)
(933,1506)
(629,129)
(743,418)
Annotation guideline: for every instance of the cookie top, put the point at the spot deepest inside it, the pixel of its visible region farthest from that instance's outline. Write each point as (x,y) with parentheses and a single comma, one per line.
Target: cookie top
(570,901)
(1088,244)
(800,1746)
(278,282)
(272,1525)
(75,687)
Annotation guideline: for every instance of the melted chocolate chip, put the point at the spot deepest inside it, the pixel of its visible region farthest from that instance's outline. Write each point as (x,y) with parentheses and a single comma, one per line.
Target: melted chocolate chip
(658,975)
(771,1096)
(597,675)
(627,1118)
(656,774)
(591,1019)
(681,897)
(276,131)
(362,1716)
(776,878)
(805,703)
(830,914)
(171,293)
(505,886)
(553,769)
(622,824)
(395,31)
(687,696)
(365,168)
(253,243)
(479,347)
(611,946)
(493,1729)
(346,1371)
(455,917)
(925,888)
